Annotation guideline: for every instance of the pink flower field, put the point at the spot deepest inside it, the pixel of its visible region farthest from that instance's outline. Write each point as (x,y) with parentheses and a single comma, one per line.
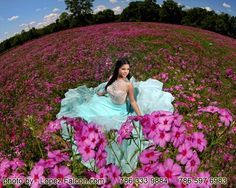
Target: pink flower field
(193,147)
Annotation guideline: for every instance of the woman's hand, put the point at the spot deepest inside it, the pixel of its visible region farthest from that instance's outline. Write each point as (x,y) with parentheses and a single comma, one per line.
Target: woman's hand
(100,93)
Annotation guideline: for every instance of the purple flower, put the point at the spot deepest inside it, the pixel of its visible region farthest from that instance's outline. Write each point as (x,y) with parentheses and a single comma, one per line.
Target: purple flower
(206,183)
(47,163)
(100,158)
(147,169)
(165,123)
(185,153)
(199,142)
(54,126)
(86,152)
(177,136)
(170,170)
(211,109)
(193,163)
(61,173)
(161,138)
(125,131)
(114,174)
(35,175)
(148,156)
(58,156)
(225,117)
(16,163)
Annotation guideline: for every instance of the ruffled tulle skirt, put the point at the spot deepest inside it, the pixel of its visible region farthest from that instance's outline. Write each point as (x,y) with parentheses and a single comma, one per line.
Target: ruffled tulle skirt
(83,102)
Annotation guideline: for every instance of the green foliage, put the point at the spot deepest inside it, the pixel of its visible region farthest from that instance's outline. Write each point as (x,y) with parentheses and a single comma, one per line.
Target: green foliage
(104,16)
(141,11)
(79,7)
(171,12)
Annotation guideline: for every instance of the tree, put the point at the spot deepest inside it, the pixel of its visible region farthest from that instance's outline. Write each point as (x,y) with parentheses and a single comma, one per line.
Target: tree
(194,16)
(141,11)
(104,16)
(64,20)
(171,12)
(79,8)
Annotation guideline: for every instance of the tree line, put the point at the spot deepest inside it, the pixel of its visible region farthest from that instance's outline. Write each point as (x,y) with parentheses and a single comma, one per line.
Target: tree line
(80,14)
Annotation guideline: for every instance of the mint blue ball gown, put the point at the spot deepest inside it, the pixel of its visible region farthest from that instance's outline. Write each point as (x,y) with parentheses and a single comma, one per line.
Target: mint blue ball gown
(111,110)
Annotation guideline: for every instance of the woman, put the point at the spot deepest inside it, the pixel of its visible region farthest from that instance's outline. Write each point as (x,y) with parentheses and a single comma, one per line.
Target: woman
(109,105)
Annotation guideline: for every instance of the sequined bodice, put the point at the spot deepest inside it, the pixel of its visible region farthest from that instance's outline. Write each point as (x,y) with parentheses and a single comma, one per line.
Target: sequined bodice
(118,91)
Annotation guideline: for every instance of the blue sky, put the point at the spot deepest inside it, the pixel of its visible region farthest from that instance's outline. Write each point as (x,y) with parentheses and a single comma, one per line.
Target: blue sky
(16,15)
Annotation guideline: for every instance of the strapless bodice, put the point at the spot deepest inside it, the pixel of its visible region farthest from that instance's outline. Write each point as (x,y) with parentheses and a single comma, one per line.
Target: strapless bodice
(118,91)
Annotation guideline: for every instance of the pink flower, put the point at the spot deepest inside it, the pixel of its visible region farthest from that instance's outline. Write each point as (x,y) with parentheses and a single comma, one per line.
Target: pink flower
(193,164)
(199,142)
(54,126)
(225,116)
(229,72)
(58,156)
(91,139)
(100,158)
(111,174)
(206,183)
(177,119)
(185,153)
(228,157)
(177,135)
(161,138)
(47,163)
(125,131)
(16,163)
(35,175)
(61,173)
(200,125)
(149,155)
(165,123)
(86,152)
(170,170)
(114,174)
(147,169)
(211,109)
(102,173)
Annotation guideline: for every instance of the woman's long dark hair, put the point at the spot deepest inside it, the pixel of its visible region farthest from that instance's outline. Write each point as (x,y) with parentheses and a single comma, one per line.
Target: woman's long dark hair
(119,63)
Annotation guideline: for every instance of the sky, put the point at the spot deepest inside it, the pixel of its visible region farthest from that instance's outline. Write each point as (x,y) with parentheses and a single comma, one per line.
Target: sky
(16,15)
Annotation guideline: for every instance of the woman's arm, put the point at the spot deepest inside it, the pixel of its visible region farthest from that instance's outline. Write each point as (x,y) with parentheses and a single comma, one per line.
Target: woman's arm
(132,99)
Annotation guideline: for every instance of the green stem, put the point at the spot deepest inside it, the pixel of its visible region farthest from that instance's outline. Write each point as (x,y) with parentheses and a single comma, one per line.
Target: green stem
(114,153)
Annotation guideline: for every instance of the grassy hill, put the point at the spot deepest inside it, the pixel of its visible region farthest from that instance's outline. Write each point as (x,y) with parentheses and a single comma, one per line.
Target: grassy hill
(197,66)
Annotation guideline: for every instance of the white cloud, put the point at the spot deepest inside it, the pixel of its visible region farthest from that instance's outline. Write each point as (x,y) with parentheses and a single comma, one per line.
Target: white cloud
(13,18)
(5,33)
(23,25)
(208,8)
(28,26)
(56,10)
(117,10)
(113,1)
(99,8)
(226,5)
(48,19)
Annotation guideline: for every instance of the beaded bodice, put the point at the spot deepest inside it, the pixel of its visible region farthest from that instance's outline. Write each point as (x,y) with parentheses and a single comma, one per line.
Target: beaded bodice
(118,91)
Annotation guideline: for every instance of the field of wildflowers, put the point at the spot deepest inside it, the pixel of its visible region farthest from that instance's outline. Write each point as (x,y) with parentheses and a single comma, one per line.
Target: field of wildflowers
(197,141)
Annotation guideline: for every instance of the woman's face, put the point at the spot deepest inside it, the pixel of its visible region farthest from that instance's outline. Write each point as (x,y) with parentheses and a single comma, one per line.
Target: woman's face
(124,70)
